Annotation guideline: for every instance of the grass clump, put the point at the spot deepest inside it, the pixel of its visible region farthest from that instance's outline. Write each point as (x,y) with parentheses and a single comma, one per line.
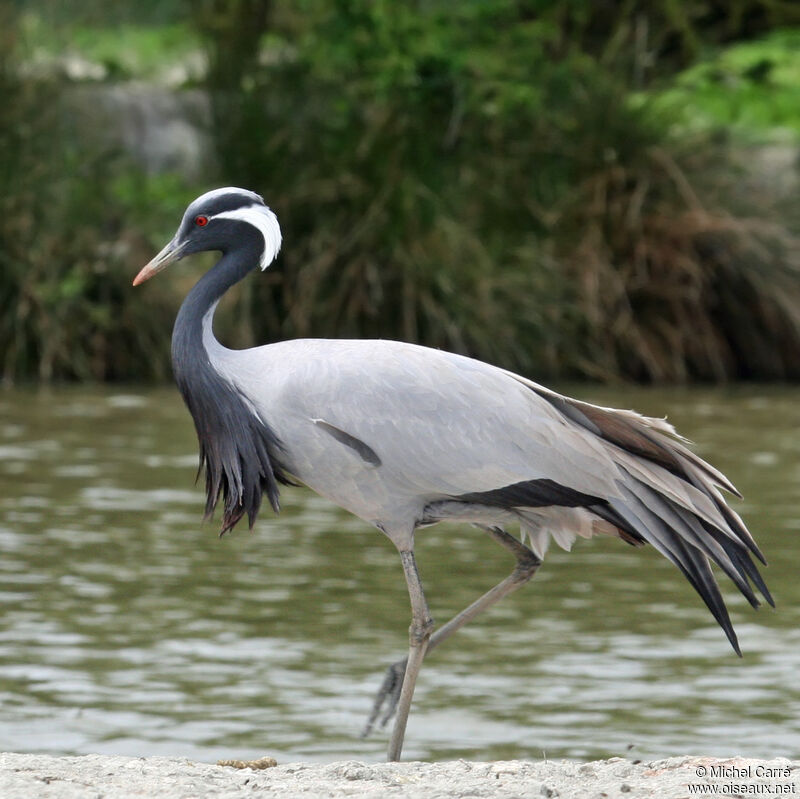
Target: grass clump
(672,285)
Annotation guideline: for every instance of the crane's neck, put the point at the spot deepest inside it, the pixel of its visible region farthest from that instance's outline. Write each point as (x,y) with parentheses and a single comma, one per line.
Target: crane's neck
(241,454)
(193,326)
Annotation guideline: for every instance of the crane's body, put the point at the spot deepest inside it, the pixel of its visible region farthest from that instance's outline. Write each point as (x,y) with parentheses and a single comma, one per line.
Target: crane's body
(392,431)
(362,423)
(404,436)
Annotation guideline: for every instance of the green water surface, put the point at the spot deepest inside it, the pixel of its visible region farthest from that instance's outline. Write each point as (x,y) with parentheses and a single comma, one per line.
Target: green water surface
(127,626)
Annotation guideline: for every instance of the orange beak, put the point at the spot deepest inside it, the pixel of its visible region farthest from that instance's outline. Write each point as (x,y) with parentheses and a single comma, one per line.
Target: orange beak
(172,252)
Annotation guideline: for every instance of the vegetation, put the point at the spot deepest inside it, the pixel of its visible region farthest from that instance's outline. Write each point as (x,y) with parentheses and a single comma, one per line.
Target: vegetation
(67,238)
(466,179)
(545,185)
(752,87)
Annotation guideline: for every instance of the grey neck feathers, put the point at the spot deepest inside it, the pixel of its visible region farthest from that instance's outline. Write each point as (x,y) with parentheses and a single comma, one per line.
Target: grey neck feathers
(238,451)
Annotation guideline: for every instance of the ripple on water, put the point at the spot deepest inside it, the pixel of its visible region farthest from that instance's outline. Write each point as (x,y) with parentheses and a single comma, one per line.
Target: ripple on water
(115,498)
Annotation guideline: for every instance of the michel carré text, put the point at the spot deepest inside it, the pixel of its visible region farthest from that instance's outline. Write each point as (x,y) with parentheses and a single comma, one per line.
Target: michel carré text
(748,772)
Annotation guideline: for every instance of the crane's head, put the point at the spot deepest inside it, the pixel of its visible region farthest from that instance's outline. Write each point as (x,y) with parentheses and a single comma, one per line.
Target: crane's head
(218,220)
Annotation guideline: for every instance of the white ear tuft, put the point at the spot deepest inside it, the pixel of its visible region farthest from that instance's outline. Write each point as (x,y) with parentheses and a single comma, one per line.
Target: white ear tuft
(262,218)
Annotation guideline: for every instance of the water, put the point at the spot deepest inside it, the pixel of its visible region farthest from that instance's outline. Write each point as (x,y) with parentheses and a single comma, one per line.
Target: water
(128,627)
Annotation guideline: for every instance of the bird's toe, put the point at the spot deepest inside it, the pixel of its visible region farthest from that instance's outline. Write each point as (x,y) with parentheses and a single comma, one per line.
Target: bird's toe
(387,697)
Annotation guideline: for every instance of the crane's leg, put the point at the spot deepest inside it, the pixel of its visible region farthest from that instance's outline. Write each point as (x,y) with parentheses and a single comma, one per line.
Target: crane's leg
(527,563)
(419,634)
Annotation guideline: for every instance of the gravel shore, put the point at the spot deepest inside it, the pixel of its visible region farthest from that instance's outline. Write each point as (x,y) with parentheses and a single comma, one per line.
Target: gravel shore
(93,776)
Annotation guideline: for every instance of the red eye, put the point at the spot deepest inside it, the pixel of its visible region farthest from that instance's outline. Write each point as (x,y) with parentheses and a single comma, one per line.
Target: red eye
(201,221)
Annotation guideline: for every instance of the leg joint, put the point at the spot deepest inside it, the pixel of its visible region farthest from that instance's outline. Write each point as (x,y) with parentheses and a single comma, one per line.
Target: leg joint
(420,630)
(527,564)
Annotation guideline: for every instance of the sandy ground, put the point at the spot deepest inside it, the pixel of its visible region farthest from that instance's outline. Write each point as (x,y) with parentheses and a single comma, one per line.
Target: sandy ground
(95,776)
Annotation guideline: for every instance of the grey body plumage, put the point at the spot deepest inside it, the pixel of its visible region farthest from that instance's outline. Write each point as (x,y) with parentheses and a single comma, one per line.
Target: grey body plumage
(404,436)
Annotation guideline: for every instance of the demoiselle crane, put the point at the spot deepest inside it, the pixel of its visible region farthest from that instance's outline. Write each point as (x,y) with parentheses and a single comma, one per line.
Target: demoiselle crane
(404,436)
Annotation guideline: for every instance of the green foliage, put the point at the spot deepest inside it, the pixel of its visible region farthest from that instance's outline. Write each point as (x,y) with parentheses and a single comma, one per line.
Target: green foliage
(754,86)
(394,193)
(519,180)
(445,179)
(103,14)
(67,248)
(124,51)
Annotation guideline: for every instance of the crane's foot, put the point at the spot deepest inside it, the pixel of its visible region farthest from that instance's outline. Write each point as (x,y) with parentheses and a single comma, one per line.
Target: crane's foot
(387,697)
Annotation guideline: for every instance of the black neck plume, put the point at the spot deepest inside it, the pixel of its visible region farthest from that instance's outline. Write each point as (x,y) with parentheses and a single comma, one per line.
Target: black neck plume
(239,452)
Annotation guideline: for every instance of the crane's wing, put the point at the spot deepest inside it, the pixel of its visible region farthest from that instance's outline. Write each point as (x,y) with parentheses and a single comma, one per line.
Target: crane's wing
(387,429)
